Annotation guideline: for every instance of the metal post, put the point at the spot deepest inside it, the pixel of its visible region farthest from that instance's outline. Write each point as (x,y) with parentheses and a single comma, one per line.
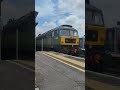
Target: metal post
(35,44)
(42,45)
(1,28)
(17,44)
(0,43)
(83,42)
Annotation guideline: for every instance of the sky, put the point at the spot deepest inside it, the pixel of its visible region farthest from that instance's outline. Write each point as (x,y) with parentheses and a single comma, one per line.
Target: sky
(53,13)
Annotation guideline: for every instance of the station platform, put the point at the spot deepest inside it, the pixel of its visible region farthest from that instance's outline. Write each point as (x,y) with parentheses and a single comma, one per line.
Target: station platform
(98,81)
(16,76)
(57,71)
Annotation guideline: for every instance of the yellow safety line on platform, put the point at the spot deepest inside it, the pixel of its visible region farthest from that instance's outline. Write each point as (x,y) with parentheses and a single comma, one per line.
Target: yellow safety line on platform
(64,62)
(100,86)
(82,64)
(23,66)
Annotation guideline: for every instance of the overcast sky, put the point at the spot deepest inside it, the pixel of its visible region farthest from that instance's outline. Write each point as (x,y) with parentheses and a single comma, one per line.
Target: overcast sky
(111,10)
(53,13)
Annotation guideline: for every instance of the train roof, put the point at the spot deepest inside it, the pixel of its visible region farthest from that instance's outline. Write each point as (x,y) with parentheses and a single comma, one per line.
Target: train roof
(91,7)
(67,27)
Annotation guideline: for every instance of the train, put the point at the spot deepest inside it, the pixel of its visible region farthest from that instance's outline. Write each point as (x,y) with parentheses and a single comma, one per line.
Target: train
(62,39)
(102,44)
(95,38)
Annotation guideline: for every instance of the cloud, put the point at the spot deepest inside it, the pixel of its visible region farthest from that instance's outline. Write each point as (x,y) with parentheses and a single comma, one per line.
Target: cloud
(76,22)
(45,8)
(49,25)
(76,7)
(38,31)
(53,13)
(46,26)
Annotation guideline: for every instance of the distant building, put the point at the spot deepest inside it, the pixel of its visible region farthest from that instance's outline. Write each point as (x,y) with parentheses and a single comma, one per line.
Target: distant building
(82,42)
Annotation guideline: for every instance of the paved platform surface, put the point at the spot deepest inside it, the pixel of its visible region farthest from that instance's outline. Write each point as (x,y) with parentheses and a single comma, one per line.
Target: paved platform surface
(53,72)
(98,81)
(56,71)
(28,63)
(14,76)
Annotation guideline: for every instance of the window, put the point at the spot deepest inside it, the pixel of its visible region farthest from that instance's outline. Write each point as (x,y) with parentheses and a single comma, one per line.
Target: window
(53,34)
(49,35)
(64,32)
(93,17)
(56,33)
(73,33)
(98,18)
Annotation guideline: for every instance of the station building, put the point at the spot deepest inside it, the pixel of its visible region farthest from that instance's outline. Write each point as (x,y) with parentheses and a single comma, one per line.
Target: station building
(17,39)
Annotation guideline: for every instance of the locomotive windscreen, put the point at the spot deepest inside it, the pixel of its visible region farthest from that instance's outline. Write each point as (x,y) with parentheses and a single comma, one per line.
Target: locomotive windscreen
(68,33)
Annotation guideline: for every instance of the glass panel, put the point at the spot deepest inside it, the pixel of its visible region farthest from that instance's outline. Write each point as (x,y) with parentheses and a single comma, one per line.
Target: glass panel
(98,18)
(73,33)
(64,32)
(52,34)
(93,17)
(56,33)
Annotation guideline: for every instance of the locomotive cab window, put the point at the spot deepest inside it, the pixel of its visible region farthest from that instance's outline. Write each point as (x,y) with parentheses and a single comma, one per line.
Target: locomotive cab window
(98,18)
(94,18)
(73,33)
(64,32)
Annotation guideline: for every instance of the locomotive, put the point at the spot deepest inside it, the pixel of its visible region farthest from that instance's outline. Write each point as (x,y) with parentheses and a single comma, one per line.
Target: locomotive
(61,39)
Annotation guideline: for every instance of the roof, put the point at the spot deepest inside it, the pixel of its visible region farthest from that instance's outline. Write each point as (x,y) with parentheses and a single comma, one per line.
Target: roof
(91,7)
(26,18)
(58,28)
